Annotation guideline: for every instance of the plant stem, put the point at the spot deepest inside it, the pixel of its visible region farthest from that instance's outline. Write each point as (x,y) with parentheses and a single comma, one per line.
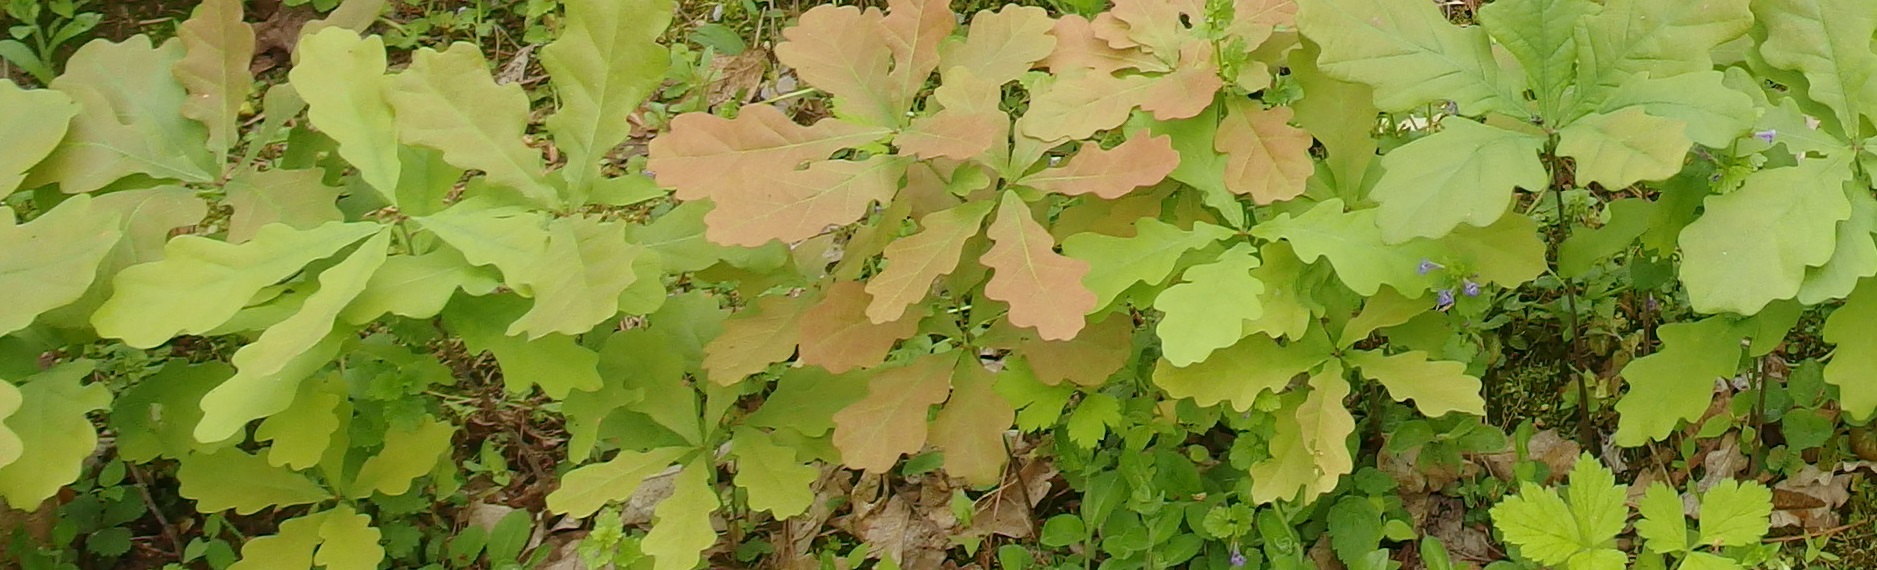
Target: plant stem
(1584,433)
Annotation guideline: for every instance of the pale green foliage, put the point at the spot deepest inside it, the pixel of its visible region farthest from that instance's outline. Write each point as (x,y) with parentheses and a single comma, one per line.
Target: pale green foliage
(1577,530)
(230,479)
(51,260)
(53,431)
(775,481)
(1117,263)
(1437,387)
(131,120)
(681,523)
(1852,364)
(449,101)
(32,123)
(342,78)
(1210,308)
(408,453)
(1673,384)
(604,64)
(1308,450)
(1466,173)
(1409,52)
(584,490)
(1795,212)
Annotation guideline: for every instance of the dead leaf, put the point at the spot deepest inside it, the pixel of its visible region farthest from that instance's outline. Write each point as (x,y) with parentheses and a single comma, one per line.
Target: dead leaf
(1809,499)
(1725,462)
(735,77)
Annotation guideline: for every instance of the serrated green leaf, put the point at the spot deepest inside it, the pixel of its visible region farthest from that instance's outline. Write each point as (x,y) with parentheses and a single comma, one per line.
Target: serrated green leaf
(1436,386)
(1852,366)
(1117,263)
(1677,382)
(585,489)
(1621,148)
(342,78)
(268,370)
(55,436)
(1210,309)
(1735,513)
(775,481)
(51,261)
(1309,449)
(407,455)
(449,101)
(606,62)
(1092,419)
(1829,42)
(34,122)
(681,523)
(201,282)
(230,479)
(1409,53)
(1466,173)
(1753,245)
(1663,527)
(131,122)
(1581,532)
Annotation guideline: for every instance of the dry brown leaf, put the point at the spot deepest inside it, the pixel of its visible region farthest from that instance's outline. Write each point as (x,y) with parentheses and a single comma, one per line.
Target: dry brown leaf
(951,134)
(1142,160)
(762,334)
(1077,47)
(914,261)
(1043,288)
(801,204)
(1809,499)
(836,335)
(873,432)
(841,51)
(970,430)
(1266,158)
(736,77)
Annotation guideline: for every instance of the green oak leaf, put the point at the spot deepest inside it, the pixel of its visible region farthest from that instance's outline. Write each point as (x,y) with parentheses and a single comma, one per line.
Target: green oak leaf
(606,61)
(297,198)
(302,432)
(1625,147)
(1436,386)
(775,481)
(55,436)
(1660,38)
(1309,449)
(10,445)
(1828,41)
(290,547)
(1238,373)
(1629,218)
(1541,34)
(1677,382)
(230,479)
(1581,532)
(1752,246)
(1409,52)
(449,101)
(577,280)
(1210,308)
(509,238)
(51,261)
(342,78)
(1735,513)
(348,541)
(1354,246)
(587,488)
(1714,113)
(1853,364)
(34,122)
(131,120)
(268,371)
(1466,173)
(1853,258)
(407,455)
(681,523)
(805,400)
(555,362)
(1116,263)
(202,282)
(418,286)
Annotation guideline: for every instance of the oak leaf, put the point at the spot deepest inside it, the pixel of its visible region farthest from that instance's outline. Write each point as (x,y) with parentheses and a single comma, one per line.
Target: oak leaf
(1142,160)
(1086,360)
(764,333)
(215,70)
(706,156)
(798,205)
(914,261)
(836,334)
(1000,46)
(1044,288)
(1082,102)
(841,51)
(951,134)
(1266,158)
(891,421)
(970,429)
(913,30)
(1078,48)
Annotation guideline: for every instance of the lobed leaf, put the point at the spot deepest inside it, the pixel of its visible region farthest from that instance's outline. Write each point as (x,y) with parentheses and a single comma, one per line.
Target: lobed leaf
(912,262)
(449,101)
(52,260)
(1044,288)
(1792,213)
(1466,173)
(32,122)
(1409,53)
(54,434)
(1211,308)
(342,78)
(891,420)
(1674,384)
(1142,160)
(604,64)
(219,47)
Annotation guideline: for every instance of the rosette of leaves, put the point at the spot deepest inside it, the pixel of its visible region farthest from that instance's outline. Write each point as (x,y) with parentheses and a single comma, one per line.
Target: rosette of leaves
(364,222)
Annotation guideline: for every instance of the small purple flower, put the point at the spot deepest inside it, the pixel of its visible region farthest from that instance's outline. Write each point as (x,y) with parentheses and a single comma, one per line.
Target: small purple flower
(1427,266)
(1766,135)
(1238,558)
(1470,288)
(1443,300)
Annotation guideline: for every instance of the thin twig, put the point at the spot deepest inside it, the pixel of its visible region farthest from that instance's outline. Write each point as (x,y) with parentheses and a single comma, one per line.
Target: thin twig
(1811,535)
(143,489)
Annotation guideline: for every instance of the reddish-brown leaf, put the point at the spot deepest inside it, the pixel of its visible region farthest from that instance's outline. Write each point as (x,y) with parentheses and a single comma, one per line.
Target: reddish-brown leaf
(1077,47)
(913,30)
(1142,160)
(1081,103)
(1254,20)
(1157,24)
(1002,45)
(1088,359)
(970,429)
(951,134)
(1265,156)
(801,204)
(836,334)
(706,156)
(1112,31)
(914,261)
(841,50)
(1043,288)
(760,335)
(1188,90)
(873,432)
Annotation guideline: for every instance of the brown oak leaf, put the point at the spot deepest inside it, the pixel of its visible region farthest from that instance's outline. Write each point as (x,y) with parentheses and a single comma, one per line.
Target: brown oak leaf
(914,261)
(762,334)
(1266,158)
(1043,288)
(890,421)
(1142,160)
(836,334)
(705,156)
